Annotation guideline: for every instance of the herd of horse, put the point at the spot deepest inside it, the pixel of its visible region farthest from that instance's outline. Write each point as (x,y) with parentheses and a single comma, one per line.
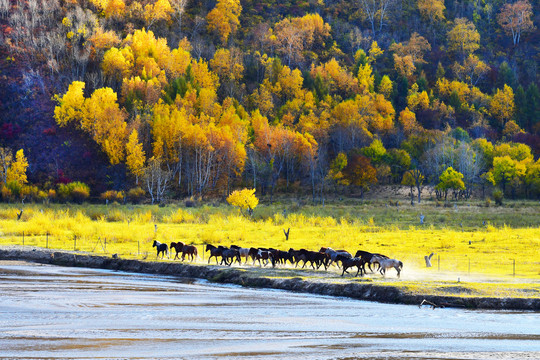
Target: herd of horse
(325,257)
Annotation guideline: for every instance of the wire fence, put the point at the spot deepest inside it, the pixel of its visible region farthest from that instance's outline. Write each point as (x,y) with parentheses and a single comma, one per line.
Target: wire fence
(142,249)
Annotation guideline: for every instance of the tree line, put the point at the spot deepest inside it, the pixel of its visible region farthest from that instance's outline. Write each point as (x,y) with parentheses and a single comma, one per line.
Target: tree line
(199,98)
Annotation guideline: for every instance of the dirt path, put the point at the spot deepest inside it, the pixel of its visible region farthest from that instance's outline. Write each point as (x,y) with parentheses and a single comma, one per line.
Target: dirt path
(284,279)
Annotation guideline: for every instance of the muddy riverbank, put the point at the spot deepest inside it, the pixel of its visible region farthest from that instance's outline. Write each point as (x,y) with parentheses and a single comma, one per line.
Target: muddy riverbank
(266,278)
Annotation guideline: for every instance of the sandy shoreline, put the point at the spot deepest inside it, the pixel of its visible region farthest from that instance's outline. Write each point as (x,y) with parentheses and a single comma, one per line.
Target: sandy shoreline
(258,279)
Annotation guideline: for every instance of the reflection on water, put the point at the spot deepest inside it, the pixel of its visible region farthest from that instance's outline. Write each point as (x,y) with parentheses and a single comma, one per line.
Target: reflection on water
(57,312)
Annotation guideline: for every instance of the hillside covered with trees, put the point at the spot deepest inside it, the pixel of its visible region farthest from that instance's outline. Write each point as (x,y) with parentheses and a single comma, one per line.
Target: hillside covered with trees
(163,99)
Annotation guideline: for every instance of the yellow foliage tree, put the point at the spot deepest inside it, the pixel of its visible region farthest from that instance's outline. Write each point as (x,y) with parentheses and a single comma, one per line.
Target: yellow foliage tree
(17,169)
(502,105)
(228,65)
(105,122)
(472,70)
(100,116)
(404,65)
(103,40)
(407,119)
(223,19)
(386,87)
(160,10)
(117,63)
(515,19)
(417,100)
(432,10)
(463,38)
(135,156)
(337,78)
(70,105)
(365,78)
(416,48)
(169,125)
(244,199)
(374,51)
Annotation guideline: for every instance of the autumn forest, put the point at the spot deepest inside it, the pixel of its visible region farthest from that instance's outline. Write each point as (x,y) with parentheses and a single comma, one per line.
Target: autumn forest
(154,100)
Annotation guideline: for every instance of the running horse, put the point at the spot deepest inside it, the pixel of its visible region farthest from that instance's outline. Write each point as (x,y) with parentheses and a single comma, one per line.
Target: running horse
(367,257)
(348,262)
(244,252)
(331,256)
(214,251)
(387,264)
(190,251)
(178,246)
(161,248)
(264,255)
(228,256)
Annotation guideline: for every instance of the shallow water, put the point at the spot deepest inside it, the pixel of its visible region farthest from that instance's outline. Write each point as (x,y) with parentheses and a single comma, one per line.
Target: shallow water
(57,312)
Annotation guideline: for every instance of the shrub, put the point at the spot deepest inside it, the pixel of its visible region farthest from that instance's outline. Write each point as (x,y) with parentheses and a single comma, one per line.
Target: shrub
(51,194)
(136,195)
(74,191)
(80,191)
(112,195)
(14,188)
(180,216)
(29,192)
(6,193)
(115,216)
(498,196)
(190,203)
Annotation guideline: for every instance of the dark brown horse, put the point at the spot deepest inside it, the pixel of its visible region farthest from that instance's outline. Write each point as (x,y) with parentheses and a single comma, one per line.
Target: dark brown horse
(214,251)
(313,257)
(347,263)
(190,251)
(178,247)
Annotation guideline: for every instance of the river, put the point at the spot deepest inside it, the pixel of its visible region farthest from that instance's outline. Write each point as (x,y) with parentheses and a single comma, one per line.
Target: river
(75,313)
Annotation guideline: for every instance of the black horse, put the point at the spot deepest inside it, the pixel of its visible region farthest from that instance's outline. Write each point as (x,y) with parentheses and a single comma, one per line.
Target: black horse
(347,262)
(366,258)
(215,252)
(161,248)
(228,256)
(313,257)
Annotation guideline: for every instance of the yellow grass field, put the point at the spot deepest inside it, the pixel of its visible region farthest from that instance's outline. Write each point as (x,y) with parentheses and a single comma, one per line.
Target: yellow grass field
(489,252)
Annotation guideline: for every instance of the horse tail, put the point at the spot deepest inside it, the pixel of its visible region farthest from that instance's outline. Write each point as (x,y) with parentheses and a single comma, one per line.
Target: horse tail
(400,265)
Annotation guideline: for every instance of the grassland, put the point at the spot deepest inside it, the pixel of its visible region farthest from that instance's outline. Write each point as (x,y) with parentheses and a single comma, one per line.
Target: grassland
(483,246)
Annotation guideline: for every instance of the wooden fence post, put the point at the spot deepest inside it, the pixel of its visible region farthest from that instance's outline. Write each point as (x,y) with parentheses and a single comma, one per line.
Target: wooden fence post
(47,239)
